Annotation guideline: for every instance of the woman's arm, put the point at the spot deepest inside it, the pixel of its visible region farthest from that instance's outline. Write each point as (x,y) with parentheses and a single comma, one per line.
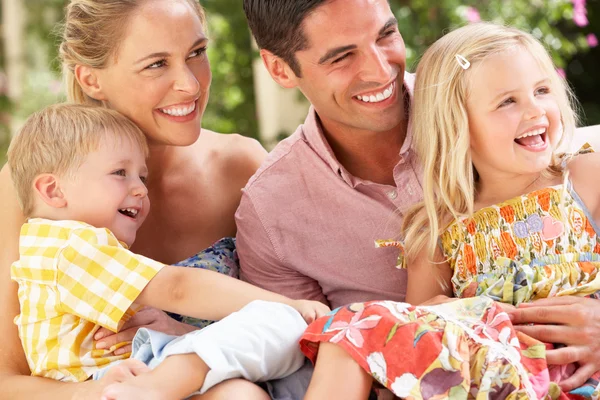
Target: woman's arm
(15,379)
(428,278)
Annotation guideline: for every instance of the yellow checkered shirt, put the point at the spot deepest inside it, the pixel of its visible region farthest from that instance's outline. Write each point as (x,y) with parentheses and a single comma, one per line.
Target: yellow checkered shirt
(73,279)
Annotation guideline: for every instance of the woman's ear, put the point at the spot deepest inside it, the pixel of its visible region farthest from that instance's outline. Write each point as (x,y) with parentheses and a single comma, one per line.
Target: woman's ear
(89,82)
(47,187)
(279,69)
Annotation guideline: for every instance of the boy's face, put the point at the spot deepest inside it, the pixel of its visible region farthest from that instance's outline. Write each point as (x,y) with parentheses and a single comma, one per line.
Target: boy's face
(108,189)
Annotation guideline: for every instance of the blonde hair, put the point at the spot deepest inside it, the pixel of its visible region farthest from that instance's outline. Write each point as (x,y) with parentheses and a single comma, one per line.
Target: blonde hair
(441,126)
(92,32)
(56,139)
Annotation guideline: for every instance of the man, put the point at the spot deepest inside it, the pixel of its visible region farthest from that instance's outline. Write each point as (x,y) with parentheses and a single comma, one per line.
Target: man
(309,217)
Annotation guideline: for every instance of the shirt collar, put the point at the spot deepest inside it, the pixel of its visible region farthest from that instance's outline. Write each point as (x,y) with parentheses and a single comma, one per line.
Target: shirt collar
(313,132)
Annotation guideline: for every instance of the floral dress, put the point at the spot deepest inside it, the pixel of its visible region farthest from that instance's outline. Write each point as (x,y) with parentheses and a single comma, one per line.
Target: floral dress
(538,245)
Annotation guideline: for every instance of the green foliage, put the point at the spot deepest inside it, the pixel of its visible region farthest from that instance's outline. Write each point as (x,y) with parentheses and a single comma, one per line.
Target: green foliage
(231,107)
(422,22)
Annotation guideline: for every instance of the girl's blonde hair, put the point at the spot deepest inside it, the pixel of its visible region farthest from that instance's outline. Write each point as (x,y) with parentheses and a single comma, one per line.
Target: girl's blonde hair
(92,32)
(441,127)
(56,140)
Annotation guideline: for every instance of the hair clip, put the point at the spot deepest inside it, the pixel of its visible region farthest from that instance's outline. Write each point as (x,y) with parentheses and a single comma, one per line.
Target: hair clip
(463,62)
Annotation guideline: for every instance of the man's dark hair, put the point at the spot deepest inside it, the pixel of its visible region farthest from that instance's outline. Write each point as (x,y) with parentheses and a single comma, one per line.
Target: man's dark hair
(277,26)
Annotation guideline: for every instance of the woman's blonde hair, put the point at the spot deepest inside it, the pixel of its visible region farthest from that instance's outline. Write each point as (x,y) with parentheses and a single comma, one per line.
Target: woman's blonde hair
(56,140)
(92,32)
(441,126)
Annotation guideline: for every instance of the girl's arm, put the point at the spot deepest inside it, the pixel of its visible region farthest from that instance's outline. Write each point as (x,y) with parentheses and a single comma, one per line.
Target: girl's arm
(428,278)
(209,295)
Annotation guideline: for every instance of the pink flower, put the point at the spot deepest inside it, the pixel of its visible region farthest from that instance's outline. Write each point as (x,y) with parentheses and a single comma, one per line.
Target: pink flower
(592,40)
(579,13)
(472,14)
(561,72)
(352,329)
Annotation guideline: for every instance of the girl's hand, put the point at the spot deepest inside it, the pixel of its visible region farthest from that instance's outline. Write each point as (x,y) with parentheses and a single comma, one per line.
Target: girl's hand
(147,317)
(310,310)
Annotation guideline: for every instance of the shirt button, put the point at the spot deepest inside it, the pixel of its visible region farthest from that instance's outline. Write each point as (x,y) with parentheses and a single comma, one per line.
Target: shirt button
(392,194)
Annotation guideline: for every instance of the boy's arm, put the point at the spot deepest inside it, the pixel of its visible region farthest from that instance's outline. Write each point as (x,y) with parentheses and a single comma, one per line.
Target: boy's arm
(202,293)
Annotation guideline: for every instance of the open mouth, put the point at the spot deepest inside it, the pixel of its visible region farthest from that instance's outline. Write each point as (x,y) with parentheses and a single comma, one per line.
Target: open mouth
(129,212)
(534,139)
(378,97)
(179,111)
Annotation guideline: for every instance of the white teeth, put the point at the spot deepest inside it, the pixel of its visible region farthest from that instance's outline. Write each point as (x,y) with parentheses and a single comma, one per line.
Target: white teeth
(376,98)
(179,111)
(131,211)
(534,132)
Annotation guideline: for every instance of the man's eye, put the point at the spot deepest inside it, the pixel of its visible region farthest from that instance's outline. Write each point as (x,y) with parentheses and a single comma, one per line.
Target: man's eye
(337,60)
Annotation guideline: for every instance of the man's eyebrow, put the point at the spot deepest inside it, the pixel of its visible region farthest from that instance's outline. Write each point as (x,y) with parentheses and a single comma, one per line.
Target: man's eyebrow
(391,22)
(335,51)
(338,50)
(166,54)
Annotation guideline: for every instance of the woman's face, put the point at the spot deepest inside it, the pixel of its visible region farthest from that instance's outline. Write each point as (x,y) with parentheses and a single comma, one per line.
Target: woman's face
(160,77)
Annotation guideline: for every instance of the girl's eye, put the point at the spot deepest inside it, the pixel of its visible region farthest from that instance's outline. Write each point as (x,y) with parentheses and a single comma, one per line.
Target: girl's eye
(542,90)
(506,102)
(120,172)
(198,52)
(157,64)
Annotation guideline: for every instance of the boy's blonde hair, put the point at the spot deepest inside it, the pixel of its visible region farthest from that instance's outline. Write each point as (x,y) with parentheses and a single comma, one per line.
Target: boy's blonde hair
(56,139)
(92,33)
(441,126)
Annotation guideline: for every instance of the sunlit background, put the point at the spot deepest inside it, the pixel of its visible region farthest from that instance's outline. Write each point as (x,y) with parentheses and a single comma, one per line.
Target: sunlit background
(245,100)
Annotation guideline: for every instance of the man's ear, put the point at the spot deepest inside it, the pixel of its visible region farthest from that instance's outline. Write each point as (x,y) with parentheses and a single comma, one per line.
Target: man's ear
(280,70)
(89,82)
(47,187)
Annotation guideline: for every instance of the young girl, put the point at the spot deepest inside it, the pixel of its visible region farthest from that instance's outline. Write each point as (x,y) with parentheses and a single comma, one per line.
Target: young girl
(504,218)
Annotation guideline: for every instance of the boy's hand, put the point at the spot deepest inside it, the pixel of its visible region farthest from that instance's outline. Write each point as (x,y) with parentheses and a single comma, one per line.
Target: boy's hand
(310,310)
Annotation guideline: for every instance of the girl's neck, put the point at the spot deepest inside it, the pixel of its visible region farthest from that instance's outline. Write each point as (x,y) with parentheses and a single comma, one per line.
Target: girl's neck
(490,191)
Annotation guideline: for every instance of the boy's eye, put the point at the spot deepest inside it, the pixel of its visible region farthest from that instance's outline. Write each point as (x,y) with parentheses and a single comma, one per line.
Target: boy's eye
(157,64)
(120,172)
(144,179)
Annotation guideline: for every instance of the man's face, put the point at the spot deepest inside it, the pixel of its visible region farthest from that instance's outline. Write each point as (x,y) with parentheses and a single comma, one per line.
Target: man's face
(352,69)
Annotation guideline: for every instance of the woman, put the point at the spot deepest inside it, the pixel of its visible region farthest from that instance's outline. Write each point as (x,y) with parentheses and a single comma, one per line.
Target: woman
(147,60)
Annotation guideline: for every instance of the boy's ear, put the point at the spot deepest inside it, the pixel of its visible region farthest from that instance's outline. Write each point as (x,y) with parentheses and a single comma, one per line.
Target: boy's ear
(47,187)
(89,82)
(279,69)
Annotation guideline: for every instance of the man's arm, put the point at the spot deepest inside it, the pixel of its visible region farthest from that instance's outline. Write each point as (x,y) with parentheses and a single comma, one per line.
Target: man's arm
(261,262)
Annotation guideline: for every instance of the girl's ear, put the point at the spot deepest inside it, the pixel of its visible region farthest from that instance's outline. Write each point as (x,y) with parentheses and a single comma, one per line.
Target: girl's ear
(47,187)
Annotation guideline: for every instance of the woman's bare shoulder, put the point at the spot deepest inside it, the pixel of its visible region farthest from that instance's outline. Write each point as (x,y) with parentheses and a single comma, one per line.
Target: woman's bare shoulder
(232,154)
(583,173)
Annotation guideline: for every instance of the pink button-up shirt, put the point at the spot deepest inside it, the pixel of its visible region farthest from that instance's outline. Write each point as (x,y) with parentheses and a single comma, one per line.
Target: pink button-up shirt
(306,227)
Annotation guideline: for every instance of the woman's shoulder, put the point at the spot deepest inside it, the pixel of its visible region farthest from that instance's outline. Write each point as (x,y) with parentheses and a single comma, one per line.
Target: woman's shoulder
(232,153)
(583,174)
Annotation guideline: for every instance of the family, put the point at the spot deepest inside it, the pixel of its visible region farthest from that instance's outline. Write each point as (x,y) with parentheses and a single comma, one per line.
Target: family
(436,214)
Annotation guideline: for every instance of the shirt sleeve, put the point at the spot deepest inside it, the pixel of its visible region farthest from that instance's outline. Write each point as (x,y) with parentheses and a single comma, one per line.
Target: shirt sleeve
(98,279)
(260,263)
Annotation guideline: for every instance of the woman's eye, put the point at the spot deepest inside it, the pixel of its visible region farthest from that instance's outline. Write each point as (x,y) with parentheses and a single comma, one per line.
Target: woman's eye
(198,52)
(120,172)
(157,64)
